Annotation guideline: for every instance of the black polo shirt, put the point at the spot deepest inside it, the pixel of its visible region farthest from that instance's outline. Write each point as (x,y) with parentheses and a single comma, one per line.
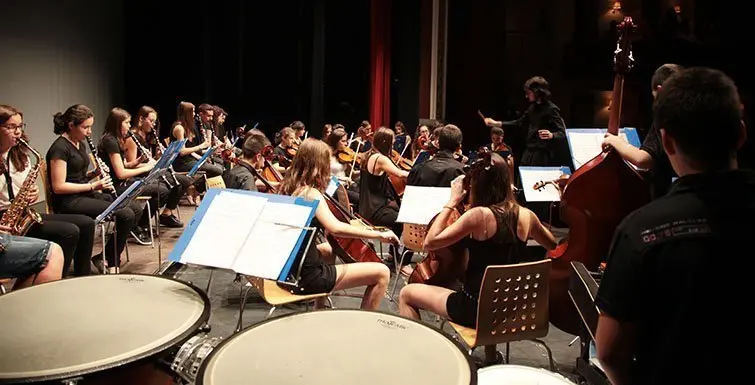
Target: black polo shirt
(662,172)
(677,269)
(439,171)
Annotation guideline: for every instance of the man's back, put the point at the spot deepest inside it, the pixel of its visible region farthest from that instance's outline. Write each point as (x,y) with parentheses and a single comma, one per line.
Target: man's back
(436,172)
(677,270)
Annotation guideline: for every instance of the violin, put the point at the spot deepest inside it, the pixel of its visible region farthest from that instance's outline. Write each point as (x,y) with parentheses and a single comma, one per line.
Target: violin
(292,150)
(594,200)
(443,267)
(238,162)
(346,155)
(350,250)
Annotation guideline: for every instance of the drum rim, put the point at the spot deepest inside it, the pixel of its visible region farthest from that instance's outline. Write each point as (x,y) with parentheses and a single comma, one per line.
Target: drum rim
(159,349)
(199,380)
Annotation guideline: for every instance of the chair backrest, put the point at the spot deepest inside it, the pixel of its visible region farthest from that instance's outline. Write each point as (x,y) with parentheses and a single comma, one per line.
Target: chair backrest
(513,303)
(215,182)
(414,237)
(46,187)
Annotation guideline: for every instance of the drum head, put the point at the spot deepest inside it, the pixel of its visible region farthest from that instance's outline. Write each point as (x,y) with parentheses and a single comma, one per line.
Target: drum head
(82,325)
(519,375)
(338,347)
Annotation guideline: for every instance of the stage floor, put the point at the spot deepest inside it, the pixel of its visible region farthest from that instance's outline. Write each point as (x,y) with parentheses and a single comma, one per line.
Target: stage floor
(225,297)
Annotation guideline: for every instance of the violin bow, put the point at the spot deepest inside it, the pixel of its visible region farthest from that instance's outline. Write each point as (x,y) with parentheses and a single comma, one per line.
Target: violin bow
(354,161)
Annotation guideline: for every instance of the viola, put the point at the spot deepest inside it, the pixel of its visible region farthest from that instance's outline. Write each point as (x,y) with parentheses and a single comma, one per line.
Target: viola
(595,199)
(350,250)
(443,267)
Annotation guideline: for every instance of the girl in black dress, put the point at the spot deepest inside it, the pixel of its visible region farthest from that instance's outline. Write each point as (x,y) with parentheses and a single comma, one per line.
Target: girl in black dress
(185,128)
(308,177)
(494,231)
(72,192)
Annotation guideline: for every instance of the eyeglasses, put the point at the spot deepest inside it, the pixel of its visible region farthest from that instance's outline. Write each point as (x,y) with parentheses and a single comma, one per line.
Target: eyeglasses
(14,127)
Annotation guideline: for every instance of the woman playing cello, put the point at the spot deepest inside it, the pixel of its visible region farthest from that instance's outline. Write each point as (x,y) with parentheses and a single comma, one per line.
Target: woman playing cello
(308,177)
(494,231)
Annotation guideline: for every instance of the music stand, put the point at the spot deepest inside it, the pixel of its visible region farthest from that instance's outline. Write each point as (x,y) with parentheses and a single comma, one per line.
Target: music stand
(200,162)
(124,199)
(165,164)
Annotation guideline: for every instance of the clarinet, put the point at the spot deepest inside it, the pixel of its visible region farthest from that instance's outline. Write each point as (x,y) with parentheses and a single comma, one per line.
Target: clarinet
(141,150)
(99,165)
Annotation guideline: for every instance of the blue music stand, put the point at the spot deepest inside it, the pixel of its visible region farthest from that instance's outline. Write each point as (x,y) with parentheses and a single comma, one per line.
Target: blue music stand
(169,155)
(201,161)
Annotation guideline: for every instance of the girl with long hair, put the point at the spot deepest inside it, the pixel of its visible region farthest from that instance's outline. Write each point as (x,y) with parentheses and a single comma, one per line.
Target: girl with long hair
(308,177)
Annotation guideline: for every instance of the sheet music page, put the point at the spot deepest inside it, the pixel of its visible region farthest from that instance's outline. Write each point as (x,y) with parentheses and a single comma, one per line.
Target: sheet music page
(223,230)
(586,144)
(269,245)
(532,175)
(420,204)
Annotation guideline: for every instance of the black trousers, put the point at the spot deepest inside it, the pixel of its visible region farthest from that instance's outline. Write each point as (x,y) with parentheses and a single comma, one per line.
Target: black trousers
(74,233)
(160,194)
(92,205)
(209,169)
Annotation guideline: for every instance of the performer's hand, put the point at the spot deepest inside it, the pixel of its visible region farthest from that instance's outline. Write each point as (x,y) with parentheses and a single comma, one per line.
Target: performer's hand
(457,191)
(205,144)
(388,237)
(610,141)
(492,122)
(5,229)
(104,184)
(545,134)
(33,193)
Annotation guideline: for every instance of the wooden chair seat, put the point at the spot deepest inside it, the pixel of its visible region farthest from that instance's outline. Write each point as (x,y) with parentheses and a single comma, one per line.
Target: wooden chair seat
(215,182)
(276,295)
(469,335)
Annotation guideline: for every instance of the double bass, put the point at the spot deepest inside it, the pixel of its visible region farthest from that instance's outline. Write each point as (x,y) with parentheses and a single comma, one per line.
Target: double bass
(594,200)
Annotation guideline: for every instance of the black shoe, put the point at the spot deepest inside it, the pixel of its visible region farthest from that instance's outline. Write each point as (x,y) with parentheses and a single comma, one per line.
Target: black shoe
(140,236)
(170,221)
(99,263)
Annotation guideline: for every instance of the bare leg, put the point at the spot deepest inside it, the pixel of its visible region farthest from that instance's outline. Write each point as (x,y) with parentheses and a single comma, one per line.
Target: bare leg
(371,274)
(52,272)
(417,296)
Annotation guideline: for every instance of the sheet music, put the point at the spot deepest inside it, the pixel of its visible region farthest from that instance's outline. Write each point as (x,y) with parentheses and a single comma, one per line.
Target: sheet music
(532,175)
(586,144)
(268,247)
(221,235)
(420,204)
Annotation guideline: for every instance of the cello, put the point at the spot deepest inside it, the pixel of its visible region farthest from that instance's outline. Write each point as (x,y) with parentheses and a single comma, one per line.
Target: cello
(350,250)
(595,199)
(445,266)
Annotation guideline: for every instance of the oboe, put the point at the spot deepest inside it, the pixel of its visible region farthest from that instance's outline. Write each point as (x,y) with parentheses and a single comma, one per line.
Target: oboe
(99,165)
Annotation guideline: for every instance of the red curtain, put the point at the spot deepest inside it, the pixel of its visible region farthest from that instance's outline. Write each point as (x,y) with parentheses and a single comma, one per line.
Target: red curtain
(380,63)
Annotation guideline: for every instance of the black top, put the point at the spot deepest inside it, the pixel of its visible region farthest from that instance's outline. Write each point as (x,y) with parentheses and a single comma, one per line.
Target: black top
(239,177)
(439,171)
(540,116)
(662,172)
(77,162)
(109,145)
(374,190)
(503,248)
(400,142)
(678,269)
(188,158)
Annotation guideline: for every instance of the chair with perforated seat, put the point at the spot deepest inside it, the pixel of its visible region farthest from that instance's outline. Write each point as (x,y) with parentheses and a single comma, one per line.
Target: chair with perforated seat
(215,182)
(413,238)
(513,306)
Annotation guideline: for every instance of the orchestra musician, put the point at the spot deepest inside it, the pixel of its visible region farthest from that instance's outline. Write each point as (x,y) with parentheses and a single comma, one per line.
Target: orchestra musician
(146,133)
(286,149)
(74,233)
(205,120)
(184,128)
(111,149)
(667,267)
(420,140)
(299,130)
(378,201)
(341,162)
(309,177)
(326,130)
(241,177)
(363,142)
(443,168)
(494,231)
(31,261)
(73,193)
(650,155)
(403,141)
(543,123)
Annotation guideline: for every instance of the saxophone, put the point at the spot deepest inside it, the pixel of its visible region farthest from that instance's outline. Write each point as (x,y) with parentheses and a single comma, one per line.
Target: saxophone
(20,217)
